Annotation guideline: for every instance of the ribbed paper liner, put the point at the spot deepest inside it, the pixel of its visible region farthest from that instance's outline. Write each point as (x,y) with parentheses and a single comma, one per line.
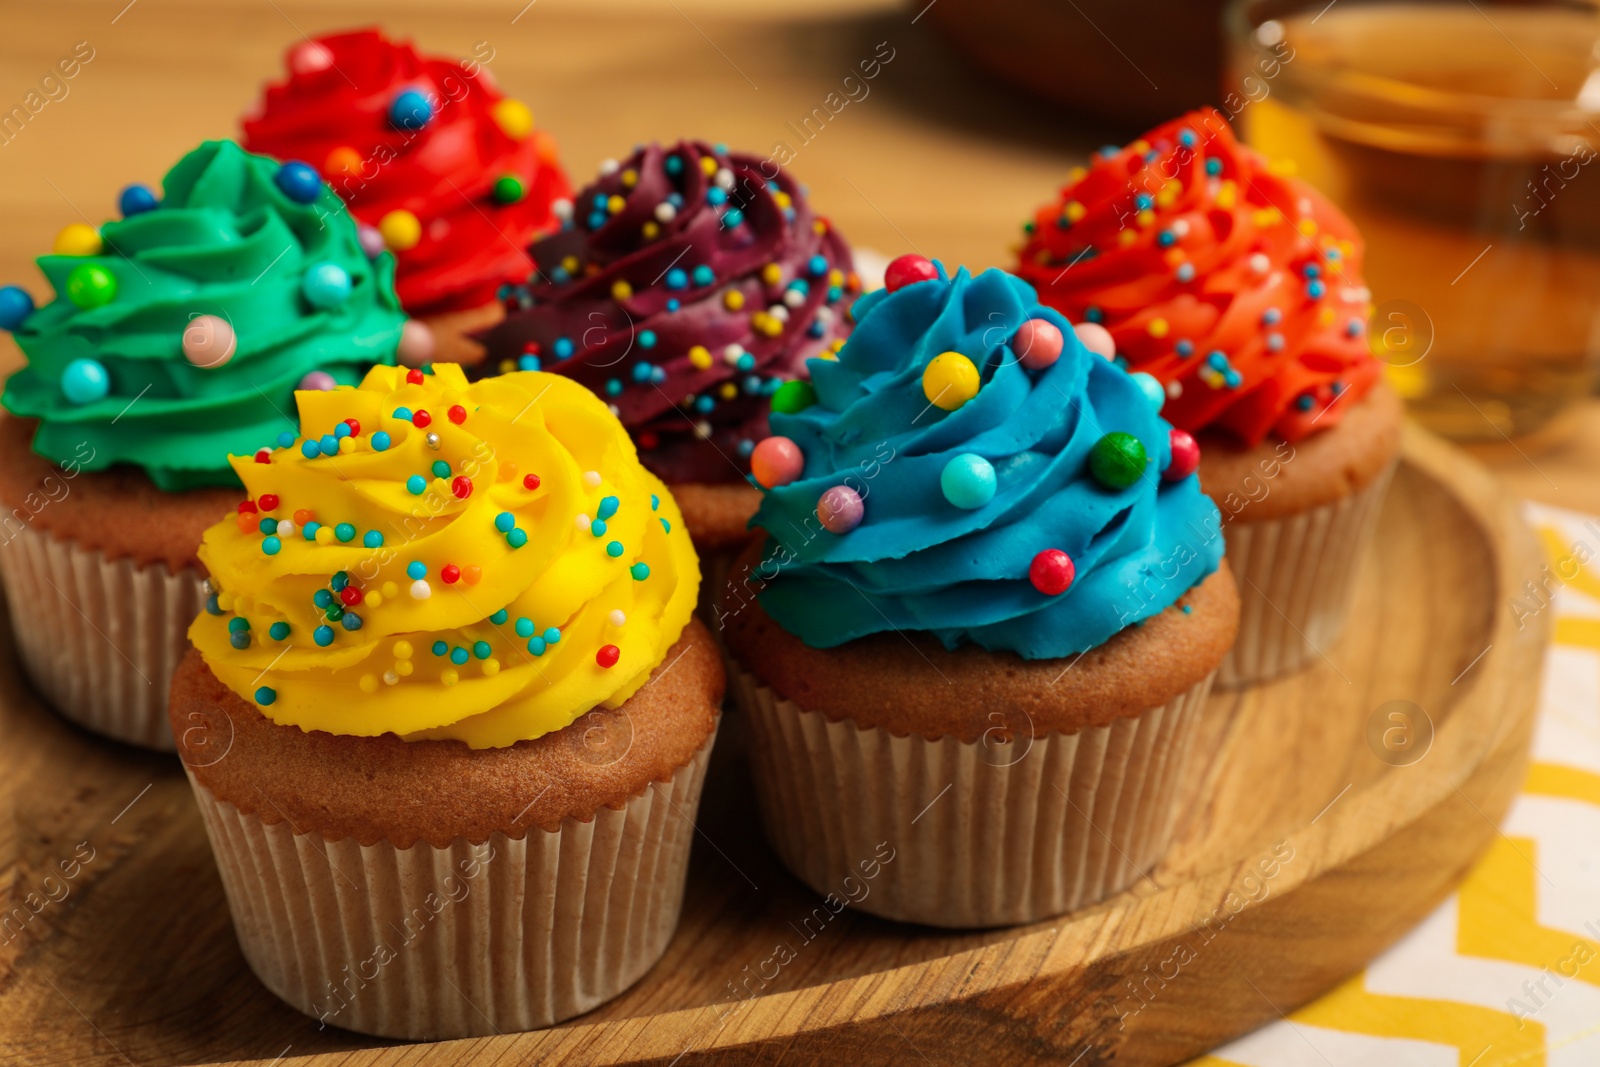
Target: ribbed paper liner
(982,834)
(1297,576)
(551,926)
(99,638)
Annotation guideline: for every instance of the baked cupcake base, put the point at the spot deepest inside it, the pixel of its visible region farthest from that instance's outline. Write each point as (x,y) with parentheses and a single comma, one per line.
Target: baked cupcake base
(102,583)
(1298,520)
(424,890)
(972,789)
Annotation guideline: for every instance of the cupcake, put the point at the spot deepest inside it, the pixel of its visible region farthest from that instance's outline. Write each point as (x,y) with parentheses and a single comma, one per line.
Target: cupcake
(447,716)
(977,642)
(690,286)
(442,168)
(1188,256)
(178,335)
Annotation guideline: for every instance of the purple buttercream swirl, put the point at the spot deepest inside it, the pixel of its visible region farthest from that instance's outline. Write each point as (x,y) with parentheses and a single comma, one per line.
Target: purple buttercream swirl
(688,285)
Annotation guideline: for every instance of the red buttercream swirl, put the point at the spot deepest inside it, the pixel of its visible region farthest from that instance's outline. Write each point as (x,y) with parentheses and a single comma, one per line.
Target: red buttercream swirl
(1235,284)
(334,112)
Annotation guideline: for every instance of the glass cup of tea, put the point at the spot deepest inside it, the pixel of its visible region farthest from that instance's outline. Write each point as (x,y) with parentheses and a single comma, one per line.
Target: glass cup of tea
(1463,139)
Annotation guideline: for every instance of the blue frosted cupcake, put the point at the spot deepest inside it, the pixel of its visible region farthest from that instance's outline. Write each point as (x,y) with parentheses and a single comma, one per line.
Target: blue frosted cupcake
(978,637)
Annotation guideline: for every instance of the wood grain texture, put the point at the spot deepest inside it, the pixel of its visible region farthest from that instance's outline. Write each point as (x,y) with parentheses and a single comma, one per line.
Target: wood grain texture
(1328,852)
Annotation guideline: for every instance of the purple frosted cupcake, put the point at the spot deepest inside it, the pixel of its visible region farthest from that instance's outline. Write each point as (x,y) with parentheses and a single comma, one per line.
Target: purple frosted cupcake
(690,285)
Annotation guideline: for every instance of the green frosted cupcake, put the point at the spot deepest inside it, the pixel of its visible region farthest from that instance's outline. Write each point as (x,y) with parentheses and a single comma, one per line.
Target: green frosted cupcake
(178,335)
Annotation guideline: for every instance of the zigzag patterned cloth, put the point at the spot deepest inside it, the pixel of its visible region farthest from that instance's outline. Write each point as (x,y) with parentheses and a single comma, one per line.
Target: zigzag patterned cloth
(1506,973)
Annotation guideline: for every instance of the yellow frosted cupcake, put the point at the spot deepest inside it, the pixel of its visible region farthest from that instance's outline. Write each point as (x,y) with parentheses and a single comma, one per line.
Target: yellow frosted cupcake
(448,715)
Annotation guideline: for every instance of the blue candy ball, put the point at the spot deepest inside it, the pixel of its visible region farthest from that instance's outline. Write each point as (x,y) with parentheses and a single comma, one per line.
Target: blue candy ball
(298,181)
(136,199)
(410,111)
(85,381)
(15,306)
(326,285)
(1151,388)
(968,481)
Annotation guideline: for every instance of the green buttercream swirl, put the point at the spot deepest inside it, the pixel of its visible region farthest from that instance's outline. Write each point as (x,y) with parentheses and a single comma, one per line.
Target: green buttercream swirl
(225,241)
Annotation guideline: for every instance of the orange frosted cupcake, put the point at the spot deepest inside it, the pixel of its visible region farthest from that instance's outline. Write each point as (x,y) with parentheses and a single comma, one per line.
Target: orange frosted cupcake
(1187,256)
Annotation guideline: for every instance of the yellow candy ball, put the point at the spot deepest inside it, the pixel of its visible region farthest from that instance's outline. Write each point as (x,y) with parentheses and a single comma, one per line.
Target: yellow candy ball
(79,239)
(404,667)
(374,599)
(369,683)
(514,118)
(449,676)
(401,230)
(700,356)
(733,300)
(950,380)
(491,667)
(402,649)
(324,535)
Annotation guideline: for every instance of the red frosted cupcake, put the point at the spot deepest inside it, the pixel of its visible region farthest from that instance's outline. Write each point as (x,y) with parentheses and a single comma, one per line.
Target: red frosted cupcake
(1189,256)
(443,170)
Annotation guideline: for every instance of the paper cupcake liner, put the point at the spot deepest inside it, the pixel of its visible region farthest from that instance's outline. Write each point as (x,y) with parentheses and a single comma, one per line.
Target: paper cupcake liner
(967,834)
(426,943)
(1297,576)
(99,638)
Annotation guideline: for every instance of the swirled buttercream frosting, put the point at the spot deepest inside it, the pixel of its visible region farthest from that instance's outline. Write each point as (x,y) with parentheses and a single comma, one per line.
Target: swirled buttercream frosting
(451,172)
(1220,273)
(690,284)
(180,332)
(970,470)
(435,559)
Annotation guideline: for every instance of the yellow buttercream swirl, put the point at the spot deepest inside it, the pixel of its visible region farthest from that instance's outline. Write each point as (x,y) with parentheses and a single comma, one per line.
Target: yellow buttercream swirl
(605,561)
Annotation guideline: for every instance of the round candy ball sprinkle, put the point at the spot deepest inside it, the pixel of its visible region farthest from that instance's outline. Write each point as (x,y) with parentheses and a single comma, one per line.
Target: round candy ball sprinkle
(318,381)
(950,380)
(370,239)
(1051,572)
(91,285)
(410,110)
(1185,457)
(840,509)
(298,181)
(508,189)
(1154,392)
(1117,460)
(607,656)
(908,270)
(209,341)
(310,57)
(78,239)
(776,461)
(85,380)
(326,285)
(968,481)
(266,695)
(15,307)
(401,230)
(1038,343)
(513,118)
(793,397)
(343,160)
(1096,338)
(417,344)
(136,199)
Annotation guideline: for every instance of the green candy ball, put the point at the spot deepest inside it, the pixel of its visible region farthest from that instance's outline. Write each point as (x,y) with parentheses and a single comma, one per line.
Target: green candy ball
(792,397)
(508,189)
(1117,460)
(90,285)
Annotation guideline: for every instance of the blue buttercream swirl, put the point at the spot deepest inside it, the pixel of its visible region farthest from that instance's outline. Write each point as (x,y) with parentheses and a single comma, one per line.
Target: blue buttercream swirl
(918,563)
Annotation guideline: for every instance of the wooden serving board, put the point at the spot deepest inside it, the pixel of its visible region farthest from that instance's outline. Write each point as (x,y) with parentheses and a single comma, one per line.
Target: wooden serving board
(1321,831)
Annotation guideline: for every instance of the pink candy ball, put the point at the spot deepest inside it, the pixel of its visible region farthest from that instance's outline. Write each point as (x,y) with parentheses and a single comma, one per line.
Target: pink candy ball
(371,240)
(1185,457)
(416,344)
(1038,342)
(1096,338)
(310,57)
(776,461)
(840,509)
(209,341)
(318,381)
